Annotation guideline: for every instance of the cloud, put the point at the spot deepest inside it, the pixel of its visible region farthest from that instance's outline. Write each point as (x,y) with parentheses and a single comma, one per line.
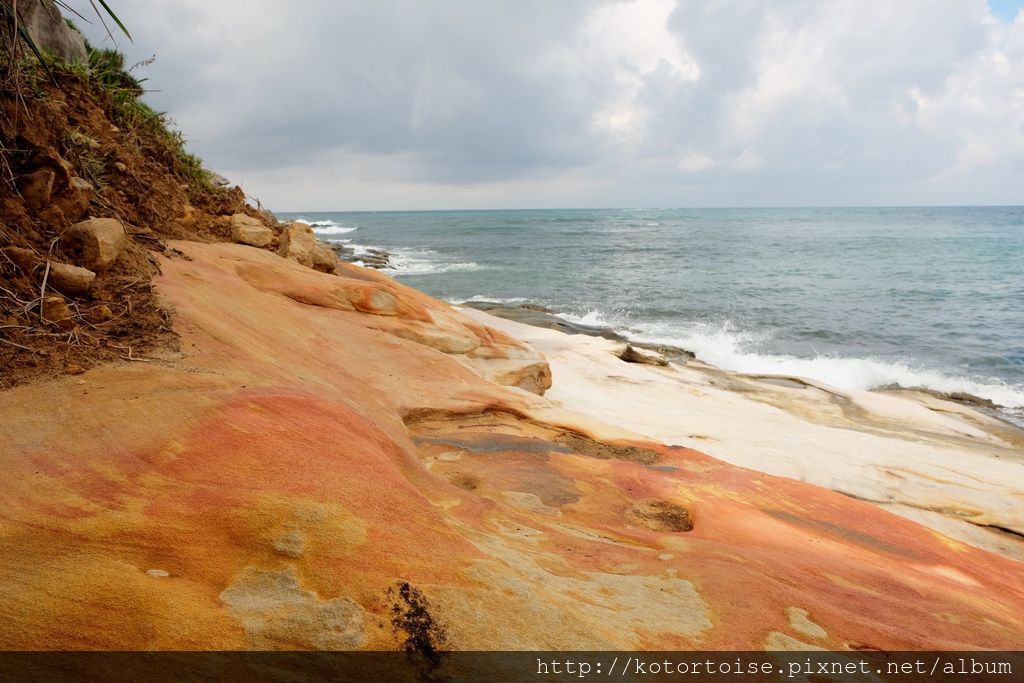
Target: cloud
(398,104)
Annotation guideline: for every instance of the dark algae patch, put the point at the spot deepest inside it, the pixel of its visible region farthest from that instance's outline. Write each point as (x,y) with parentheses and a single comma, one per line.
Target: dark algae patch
(411,617)
(660,515)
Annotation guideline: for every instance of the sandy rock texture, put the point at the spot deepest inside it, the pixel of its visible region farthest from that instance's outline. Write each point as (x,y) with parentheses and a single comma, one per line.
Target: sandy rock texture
(297,243)
(71,279)
(248,230)
(952,468)
(96,243)
(328,448)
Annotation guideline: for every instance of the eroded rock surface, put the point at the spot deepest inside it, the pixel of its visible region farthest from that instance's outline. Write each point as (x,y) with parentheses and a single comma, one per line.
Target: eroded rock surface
(248,230)
(297,242)
(330,439)
(938,462)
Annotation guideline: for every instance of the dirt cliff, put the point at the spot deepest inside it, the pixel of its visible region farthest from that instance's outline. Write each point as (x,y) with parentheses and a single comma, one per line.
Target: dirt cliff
(77,143)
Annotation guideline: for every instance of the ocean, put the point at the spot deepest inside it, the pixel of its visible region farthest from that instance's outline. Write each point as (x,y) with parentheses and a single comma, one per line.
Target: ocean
(859,298)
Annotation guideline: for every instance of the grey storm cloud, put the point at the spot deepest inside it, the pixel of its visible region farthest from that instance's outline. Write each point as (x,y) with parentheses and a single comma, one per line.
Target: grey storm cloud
(461,103)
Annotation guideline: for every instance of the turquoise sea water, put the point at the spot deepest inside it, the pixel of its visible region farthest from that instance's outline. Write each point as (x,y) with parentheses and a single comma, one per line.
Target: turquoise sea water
(859,298)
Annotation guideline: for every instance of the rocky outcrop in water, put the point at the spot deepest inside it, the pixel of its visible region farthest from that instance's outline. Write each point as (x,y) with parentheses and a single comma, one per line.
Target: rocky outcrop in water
(632,354)
(378,259)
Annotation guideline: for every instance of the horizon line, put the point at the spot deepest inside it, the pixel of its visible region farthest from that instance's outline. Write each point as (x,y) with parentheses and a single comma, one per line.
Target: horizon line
(669,208)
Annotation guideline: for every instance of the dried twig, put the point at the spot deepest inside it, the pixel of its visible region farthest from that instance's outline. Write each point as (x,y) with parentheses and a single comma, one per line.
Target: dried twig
(8,341)
(13,297)
(42,290)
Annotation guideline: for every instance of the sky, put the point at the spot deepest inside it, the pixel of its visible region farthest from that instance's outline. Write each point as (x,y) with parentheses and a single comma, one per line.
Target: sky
(460,104)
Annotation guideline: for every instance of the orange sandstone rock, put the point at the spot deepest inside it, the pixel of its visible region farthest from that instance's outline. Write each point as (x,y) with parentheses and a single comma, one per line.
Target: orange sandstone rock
(317,444)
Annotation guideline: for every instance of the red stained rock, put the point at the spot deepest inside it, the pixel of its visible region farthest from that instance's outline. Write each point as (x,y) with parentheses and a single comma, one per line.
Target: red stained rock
(271,488)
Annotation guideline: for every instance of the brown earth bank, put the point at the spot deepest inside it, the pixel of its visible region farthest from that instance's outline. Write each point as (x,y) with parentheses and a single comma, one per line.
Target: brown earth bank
(219,436)
(71,154)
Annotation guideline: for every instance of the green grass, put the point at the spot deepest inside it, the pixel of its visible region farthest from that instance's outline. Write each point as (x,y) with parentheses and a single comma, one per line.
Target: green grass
(122,91)
(82,151)
(133,116)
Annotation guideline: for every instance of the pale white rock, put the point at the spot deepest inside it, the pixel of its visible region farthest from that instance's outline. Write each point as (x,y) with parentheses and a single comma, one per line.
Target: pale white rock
(943,465)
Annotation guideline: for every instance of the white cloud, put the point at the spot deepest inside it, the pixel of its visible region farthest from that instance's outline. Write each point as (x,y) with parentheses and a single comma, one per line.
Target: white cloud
(695,162)
(393,104)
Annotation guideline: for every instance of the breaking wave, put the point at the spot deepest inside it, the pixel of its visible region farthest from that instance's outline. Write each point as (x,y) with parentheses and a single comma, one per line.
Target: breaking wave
(328,228)
(425,262)
(727,347)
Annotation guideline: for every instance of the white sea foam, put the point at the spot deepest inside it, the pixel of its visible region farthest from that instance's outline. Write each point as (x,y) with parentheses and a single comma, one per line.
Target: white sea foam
(327,227)
(361,249)
(490,300)
(592,318)
(333,229)
(409,267)
(425,262)
(412,261)
(729,348)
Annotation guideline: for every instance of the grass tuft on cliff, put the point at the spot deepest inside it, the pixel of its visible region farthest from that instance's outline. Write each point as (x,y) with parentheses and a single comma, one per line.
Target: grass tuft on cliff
(106,72)
(26,71)
(77,141)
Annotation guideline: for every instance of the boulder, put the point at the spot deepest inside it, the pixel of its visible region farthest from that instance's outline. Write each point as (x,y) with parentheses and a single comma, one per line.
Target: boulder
(74,201)
(96,243)
(631,354)
(43,22)
(296,243)
(324,258)
(68,279)
(25,259)
(99,314)
(248,230)
(529,374)
(36,188)
(55,310)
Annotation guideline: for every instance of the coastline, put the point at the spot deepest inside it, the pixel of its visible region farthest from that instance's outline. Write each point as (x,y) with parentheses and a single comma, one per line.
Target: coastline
(940,462)
(223,433)
(543,317)
(757,308)
(336,436)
